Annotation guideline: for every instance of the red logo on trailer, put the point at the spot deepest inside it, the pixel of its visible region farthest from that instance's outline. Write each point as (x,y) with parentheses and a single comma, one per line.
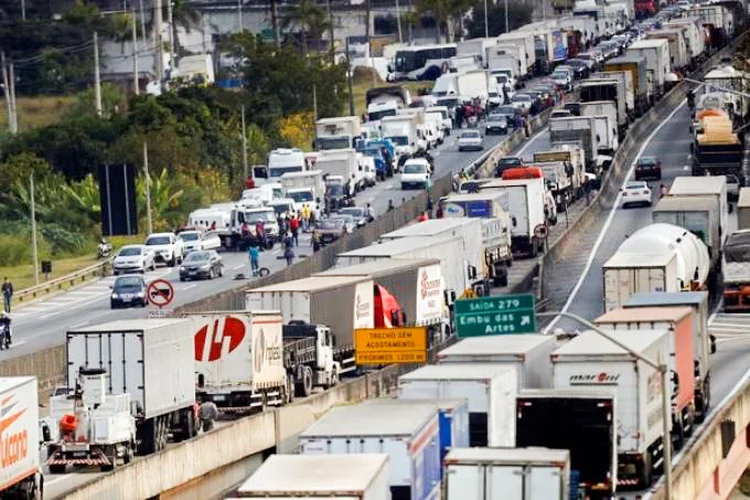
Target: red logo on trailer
(230,328)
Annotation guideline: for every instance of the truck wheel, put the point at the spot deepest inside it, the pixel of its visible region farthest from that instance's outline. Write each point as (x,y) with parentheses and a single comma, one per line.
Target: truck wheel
(111,454)
(678,439)
(535,247)
(303,387)
(128,455)
(334,379)
(146,435)
(57,469)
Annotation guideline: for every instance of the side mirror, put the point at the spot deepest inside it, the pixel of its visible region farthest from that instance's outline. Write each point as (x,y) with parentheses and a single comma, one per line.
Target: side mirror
(111,287)
(712,340)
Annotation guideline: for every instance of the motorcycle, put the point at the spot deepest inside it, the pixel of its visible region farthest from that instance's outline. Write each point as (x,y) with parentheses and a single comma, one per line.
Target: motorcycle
(5,339)
(105,250)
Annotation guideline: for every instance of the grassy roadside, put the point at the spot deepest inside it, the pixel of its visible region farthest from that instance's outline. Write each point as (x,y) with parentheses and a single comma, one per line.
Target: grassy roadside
(363,81)
(39,111)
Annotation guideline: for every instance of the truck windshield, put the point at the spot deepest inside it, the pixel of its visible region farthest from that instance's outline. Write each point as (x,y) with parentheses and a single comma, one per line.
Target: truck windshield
(253,217)
(401,140)
(281,208)
(737,248)
(335,190)
(337,142)
(301,196)
(158,240)
(279,171)
(378,115)
(189,236)
(414,169)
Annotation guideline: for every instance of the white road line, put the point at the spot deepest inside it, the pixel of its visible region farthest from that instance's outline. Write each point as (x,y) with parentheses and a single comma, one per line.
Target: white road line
(20,342)
(192,285)
(610,218)
(239,267)
(79,325)
(47,482)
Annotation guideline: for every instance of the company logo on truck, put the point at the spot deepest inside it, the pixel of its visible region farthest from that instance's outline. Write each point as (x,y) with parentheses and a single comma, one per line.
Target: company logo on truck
(602,378)
(428,287)
(263,352)
(217,332)
(361,308)
(14,446)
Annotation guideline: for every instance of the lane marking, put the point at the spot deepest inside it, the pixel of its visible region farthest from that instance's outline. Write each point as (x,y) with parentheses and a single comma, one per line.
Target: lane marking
(610,218)
(47,482)
(188,287)
(79,325)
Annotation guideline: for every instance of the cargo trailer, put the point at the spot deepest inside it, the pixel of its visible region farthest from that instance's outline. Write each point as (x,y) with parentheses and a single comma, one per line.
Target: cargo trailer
(697,214)
(490,390)
(335,476)
(409,434)
(743,209)
(153,361)
(529,354)
(507,473)
(21,471)
(713,186)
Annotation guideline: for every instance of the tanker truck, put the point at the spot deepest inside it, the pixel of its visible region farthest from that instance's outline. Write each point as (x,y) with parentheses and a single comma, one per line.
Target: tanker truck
(657,258)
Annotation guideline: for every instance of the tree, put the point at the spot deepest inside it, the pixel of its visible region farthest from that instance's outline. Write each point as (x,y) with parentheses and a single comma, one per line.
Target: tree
(185,15)
(445,13)
(310,19)
(518,15)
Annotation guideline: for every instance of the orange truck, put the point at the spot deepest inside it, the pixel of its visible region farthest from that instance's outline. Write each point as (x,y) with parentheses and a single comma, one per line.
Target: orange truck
(679,322)
(21,475)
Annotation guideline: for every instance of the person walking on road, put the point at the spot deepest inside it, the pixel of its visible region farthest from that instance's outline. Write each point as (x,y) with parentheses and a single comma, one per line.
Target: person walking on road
(7,294)
(288,250)
(254,265)
(207,413)
(294,228)
(423,217)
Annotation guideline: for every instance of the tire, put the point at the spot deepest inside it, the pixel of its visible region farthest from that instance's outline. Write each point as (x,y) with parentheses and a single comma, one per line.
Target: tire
(290,390)
(115,273)
(128,457)
(171,262)
(403,187)
(182,279)
(334,379)
(263,272)
(534,248)
(57,469)
(646,474)
(303,388)
(221,271)
(112,456)
(112,305)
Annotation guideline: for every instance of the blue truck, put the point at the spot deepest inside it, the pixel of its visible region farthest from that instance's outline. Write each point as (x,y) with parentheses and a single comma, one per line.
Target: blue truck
(384,153)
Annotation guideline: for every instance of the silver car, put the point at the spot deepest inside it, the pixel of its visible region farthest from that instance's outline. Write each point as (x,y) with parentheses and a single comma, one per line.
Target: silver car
(133,259)
(470,140)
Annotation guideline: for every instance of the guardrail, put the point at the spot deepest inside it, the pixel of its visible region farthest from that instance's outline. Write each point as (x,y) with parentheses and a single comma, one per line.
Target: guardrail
(97,270)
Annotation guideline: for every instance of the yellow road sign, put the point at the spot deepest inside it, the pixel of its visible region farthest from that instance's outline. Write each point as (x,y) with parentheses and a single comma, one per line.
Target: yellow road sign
(382,346)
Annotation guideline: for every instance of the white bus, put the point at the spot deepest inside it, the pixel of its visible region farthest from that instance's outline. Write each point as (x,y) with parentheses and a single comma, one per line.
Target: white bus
(425,62)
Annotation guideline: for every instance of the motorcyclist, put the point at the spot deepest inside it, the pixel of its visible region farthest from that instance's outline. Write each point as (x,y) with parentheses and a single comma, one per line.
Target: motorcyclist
(5,325)
(104,248)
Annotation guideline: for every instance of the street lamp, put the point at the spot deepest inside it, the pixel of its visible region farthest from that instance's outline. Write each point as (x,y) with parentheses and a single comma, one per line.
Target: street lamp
(665,402)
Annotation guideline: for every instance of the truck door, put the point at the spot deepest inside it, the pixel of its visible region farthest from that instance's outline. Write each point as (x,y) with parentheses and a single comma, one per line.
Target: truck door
(506,481)
(544,482)
(465,482)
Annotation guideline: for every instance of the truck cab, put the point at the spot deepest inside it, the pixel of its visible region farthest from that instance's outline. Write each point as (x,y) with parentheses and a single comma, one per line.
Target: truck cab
(283,161)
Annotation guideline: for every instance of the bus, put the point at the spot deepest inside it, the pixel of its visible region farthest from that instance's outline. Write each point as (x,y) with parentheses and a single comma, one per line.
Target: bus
(425,62)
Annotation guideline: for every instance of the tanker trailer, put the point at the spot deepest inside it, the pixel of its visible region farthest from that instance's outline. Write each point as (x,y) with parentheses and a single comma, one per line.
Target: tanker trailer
(656,258)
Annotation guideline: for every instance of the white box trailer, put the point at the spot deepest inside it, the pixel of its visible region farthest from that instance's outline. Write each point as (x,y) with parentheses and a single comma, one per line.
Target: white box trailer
(21,472)
(525,39)
(605,123)
(507,473)
(678,53)
(591,360)
(335,476)
(450,250)
(626,273)
(341,162)
(714,186)
(656,53)
(627,77)
(509,55)
(490,389)
(529,354)
(693,29)
(153,360)
(476,47)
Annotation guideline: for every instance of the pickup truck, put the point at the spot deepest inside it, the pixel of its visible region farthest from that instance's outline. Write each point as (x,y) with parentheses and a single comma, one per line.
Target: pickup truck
(167,248)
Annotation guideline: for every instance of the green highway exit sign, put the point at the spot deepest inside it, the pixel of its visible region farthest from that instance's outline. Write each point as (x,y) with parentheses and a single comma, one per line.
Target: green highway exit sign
(501,314)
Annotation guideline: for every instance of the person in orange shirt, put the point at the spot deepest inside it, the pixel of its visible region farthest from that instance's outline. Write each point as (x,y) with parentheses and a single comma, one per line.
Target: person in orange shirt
(423,217)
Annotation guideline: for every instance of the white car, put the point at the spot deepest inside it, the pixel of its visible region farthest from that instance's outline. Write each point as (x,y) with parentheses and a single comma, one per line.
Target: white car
(198,240)
(636,193)
(563,79)
(133,259)
(522,102)
(470,140)
(167,248)
(417,173)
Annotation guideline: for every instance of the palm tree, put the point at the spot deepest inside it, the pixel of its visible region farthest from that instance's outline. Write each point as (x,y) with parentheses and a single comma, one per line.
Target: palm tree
(164,199)
(309,18)
(411,18)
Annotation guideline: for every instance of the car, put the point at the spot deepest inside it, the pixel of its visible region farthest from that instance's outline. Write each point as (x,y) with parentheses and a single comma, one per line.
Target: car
(167,248)
(359,215)
(128,291)
(349,224)
(470,139)
(649,168)
(133,259)
(417,172)
(582,68)
(511,114)
(522,102)
(202,264)
(636,193)
(330,229)
(505,163)
(496,123)
(575,108)
(563,79)
(199,240)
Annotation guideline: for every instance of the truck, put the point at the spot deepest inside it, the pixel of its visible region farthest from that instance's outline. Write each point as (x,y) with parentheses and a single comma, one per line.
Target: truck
(528,353)
(704,344)
(490,390)
(476,47)
(481,238)
(550,47)
(509,57)
(656,258)
(416,284)
(385,101)
(283,161)
(494,474)
(337,133)
(574,158)
(697,214)
(402,132)
(678,53)
(626,77)
(453,415)
(347,476)
(715,187)
(736,267)
(743,209)
(591,360)
(529,45)
(605,124)
(459,273)
(342,163)
(307,189)
(678,321)
(612,89)
(717,149)
(526,200)
(656,53)
(558,183)
(409,434)
(634,64)
(585,424)
(335,304)
(466,85)
(576,129)
(151,360)
(89,427)
(22,472)
(695,41)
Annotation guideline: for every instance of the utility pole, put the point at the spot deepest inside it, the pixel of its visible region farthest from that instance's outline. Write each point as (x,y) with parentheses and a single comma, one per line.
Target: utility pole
(97,78)
(349,79)
(144,40)
(136,86)
(331,47)
(33,231)
(398,22)
(6,91)
(244,144)
(368,8)
(275,23)
(158,41)
(23,17)
(172,31)
(239,15)
(486,25)
(148,189)
(13,102)
(507,23)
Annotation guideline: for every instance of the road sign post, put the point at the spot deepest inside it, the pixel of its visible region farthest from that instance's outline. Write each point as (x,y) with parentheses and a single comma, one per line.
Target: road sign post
(384,346)
(160,293)
(498,315)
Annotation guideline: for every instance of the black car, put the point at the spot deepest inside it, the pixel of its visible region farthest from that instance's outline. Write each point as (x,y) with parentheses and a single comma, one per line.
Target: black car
(648,168)
(575,108)
(359,214)
(201,265)
(128,291)
(336,197)
(580,67)
(505,163)
(511,114)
